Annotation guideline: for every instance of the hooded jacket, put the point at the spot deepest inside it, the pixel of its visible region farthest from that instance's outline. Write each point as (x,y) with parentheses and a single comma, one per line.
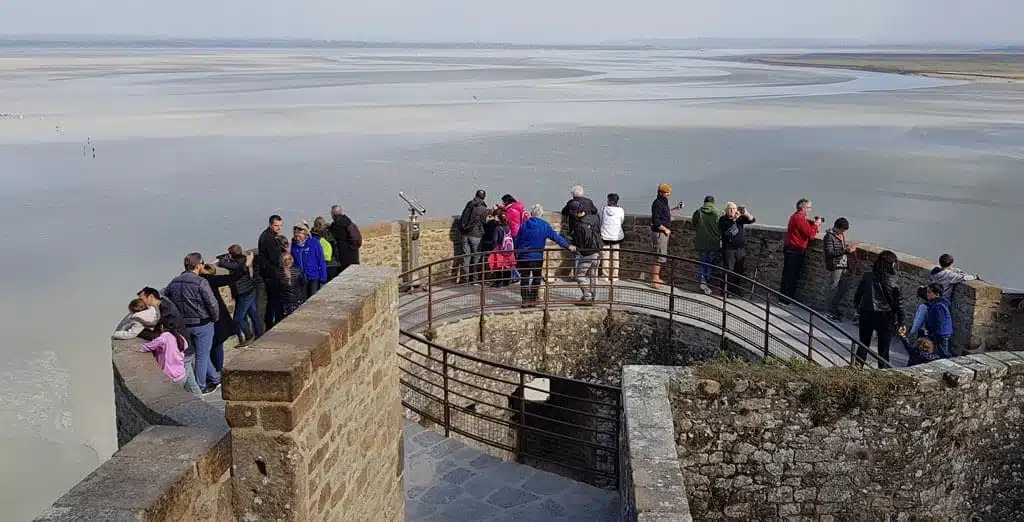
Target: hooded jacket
(516,215)
(471,222)
(309,256)
(133,324)
(876,294)
(533,235)
(836,256)
(347,240)
(586,234)
(194,299)
(241,282)
(268,254)
(948,278)
(705,221)
(938,320)
(611,223)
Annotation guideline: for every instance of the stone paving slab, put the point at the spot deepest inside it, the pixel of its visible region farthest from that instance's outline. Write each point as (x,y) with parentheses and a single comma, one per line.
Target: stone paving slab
(447,481)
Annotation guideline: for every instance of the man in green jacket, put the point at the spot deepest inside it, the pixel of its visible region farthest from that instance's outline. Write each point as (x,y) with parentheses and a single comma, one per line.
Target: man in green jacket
(708,240)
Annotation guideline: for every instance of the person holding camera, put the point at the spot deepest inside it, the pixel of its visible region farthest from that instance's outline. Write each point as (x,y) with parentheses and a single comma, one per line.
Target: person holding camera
(730,227)
(799,234)
(840,258)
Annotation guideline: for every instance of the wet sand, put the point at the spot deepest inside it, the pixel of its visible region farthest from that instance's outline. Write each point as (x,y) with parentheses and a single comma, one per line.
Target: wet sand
(193,149)
(965,65)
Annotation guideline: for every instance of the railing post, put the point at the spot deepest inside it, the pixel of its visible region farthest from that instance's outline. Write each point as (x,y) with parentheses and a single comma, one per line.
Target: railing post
(671,289)
(430,298)
(545,269)
(483,303)
(447,408)
(521,433)
(767,323)
(810,338)
(725,303)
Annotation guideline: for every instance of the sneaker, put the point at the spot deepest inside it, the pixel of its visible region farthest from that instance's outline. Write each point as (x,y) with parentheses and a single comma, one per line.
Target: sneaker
(705,288)
(835,318)
(211,389)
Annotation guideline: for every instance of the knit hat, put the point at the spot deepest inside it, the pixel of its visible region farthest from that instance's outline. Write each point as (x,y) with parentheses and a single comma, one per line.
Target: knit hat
(709,199)
(664,188)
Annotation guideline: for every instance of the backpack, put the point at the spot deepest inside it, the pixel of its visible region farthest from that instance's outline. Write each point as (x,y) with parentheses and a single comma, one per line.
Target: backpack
(466,219)
(507,243)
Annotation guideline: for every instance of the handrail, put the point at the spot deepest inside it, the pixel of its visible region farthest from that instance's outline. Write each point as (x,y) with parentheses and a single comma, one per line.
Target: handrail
(813,335)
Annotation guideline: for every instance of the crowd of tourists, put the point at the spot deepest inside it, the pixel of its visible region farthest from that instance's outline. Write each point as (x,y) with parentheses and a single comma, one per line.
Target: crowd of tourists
(187,323)
(503,243)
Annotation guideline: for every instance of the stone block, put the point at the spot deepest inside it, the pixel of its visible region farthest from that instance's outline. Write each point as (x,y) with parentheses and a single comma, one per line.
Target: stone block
(240,415)
(285,417)
(267,375)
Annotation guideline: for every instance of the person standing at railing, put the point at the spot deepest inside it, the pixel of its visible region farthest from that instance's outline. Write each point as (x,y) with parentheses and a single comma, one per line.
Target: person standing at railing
(530,242)
(515,213)
(577,197)
(661,229)
(707,240)
(268,257)
(471,228)
(880,303)
(586,237)
(734,245)
(799,234)
(839,260)
(612,217)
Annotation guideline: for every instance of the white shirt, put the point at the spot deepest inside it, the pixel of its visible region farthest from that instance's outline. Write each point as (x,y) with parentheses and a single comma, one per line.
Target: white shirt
(611,223)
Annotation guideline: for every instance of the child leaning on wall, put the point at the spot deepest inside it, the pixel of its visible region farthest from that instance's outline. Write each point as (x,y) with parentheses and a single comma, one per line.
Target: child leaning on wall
(138,319)
(168,348)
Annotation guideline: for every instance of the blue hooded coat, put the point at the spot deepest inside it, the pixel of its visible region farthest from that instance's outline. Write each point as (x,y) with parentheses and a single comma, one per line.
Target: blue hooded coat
(938,320)
(310,258)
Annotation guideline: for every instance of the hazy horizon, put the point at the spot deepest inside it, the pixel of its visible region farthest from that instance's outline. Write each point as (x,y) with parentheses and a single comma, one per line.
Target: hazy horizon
(536,21)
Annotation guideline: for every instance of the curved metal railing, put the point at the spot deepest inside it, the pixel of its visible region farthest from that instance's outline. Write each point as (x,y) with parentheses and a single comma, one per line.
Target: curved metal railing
(741,311)
(571,426)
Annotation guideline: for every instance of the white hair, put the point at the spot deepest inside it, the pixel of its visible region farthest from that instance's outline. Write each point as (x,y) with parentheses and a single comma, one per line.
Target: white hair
(537,211)
(577,191)
(731,205)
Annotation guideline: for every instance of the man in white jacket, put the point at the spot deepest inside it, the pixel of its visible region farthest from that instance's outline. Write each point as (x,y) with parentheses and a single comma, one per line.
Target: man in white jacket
(138,319)
(612,216)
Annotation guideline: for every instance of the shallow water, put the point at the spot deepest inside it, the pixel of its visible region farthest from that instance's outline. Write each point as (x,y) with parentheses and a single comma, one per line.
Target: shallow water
(194,148)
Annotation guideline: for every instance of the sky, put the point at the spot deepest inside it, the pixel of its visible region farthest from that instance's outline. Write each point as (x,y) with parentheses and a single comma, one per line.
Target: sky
(524,21)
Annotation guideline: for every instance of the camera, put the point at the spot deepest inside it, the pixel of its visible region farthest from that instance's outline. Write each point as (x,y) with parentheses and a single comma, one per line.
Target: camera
(742,209)
(820,218)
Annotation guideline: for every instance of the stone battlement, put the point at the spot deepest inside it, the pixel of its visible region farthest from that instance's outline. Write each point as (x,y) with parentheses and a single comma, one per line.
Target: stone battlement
(313,425)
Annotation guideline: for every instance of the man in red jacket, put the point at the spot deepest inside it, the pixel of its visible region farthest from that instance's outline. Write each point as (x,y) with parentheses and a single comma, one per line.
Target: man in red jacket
(799,234)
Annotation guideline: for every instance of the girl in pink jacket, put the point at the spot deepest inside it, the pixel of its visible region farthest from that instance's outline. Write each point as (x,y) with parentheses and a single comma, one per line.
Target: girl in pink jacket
(169,350)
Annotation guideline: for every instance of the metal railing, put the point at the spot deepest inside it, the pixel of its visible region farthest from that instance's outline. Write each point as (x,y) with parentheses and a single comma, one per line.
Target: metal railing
(566,426)
(742,311)
(571,426)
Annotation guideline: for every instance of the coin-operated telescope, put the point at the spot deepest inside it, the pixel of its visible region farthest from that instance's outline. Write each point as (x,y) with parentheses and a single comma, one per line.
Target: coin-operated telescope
(415,211)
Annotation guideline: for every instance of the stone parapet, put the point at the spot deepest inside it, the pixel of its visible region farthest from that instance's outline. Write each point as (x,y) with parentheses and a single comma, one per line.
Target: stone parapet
(314,408)
(174,457)
(943,444)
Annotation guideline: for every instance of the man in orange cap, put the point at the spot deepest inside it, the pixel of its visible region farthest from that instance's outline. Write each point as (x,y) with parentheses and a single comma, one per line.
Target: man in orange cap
(661,229)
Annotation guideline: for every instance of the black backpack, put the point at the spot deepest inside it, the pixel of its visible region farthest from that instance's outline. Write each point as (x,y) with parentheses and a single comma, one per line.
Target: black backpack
(466,219)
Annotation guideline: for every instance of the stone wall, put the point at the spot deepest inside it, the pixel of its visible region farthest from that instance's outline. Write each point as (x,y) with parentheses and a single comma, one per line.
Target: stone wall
(314,408)
(174,458)
(945,444)
(382,245)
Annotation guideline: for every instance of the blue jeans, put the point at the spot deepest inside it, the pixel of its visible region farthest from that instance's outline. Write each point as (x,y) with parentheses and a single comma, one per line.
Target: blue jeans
(942,346)
(922,310)
(201,338)
(704,272)
(245,310)
(190,375)
(472,261)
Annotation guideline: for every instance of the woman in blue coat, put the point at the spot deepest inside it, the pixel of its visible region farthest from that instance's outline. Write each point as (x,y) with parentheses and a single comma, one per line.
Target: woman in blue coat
(309,256)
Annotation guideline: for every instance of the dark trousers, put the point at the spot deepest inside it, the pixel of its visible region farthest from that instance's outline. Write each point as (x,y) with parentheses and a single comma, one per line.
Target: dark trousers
(275,310)
(792,266)
(880,323)
(530,279)
(734,260)
(312,287)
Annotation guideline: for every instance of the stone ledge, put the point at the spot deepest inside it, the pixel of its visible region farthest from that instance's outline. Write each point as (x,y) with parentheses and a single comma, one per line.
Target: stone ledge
(652,472)
(156,476)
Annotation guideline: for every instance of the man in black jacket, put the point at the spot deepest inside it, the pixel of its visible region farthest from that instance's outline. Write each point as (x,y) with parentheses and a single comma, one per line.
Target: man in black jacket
(347,239)
(586,238)
(471,228)
(577,197)
(734,244)
(243,290)
(199,310)
(268,254)
(838,264)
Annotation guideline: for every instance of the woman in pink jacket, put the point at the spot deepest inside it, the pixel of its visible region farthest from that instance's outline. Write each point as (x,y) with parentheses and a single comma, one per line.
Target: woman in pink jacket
(515,213)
